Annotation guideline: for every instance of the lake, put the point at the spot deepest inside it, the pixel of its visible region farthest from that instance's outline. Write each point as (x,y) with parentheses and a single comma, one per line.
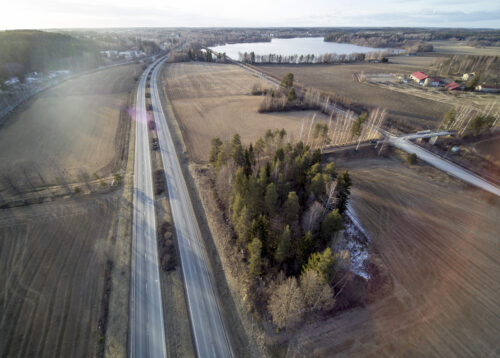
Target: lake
(296,46)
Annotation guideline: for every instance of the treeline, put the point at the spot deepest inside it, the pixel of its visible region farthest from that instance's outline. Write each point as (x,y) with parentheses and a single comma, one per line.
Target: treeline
(26,51)
(400,37)
(149,47)
(468,121)
(285,208)
(488,66)
(194,54)
(252,58)
(410,43)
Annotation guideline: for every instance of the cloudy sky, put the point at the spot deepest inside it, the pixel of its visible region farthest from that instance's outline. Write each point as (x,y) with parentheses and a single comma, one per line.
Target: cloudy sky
(16,14)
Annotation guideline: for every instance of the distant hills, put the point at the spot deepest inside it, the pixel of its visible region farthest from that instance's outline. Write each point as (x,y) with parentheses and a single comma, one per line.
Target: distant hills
(26,51)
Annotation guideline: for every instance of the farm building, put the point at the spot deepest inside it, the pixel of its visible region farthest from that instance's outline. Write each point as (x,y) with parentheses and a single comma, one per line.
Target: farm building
(418,77)
(452,86)
(433,82)
(486,88)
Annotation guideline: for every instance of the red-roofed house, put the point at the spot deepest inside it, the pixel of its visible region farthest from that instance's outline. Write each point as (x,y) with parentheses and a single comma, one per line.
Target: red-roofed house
(418,77)
(452,86)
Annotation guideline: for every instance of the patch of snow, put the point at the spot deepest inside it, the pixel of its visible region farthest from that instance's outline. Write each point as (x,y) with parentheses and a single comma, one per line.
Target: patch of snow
(356,242)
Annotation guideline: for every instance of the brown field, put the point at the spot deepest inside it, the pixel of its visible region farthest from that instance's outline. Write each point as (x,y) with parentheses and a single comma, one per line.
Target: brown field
(423,61)
(458,48)
(69,129)
(57,256)
(438,240)
(213,100)
(489,148)
(52,262)
(412,111)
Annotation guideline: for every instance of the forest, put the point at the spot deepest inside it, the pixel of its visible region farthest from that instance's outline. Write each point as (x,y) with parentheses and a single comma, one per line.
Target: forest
(26,51)
(285,207)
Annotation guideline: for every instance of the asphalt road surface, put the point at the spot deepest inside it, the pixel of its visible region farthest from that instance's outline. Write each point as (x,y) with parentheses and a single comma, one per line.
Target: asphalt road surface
(444,165)
(208,329)
(146,330)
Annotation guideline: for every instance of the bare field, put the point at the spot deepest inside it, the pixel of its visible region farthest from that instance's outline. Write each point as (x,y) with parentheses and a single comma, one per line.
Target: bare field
(72,129)
(438,240)
(213,100)
(52,264)
(489,148)
(57,258)
(459,48)
(417,62)
(410,110)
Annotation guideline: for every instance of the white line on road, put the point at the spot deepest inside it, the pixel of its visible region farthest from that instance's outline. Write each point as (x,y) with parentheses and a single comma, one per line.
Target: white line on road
(147,330)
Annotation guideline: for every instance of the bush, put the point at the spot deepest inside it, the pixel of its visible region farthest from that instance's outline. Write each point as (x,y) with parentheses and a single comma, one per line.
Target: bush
(159,181)
(287,81)
(411,159)
(118,178)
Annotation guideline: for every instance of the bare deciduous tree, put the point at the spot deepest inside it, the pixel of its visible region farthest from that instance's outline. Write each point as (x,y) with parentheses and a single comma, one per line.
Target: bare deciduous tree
(317,294)
(286,304)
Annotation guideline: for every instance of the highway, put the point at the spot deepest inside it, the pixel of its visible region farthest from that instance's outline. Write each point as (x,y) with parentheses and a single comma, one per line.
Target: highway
(444,165)
(146,328)
(209,332)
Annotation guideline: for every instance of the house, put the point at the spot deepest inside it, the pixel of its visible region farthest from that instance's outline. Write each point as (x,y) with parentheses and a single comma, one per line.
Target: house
(418,77)
(486,88)
(468,76)
(452,86)
(109,53)
(433,82)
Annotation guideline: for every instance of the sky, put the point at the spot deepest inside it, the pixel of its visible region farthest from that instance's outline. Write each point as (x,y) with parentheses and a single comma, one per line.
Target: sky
(42,14)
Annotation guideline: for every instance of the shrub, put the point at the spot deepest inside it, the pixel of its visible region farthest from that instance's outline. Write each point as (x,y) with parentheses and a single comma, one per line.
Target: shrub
(411,159)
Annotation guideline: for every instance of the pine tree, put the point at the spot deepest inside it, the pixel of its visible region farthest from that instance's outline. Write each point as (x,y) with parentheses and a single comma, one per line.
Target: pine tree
(287,81)
(323,263)
(317,185)
(332,223)
(344,190)
(292,207)
(306,245)
(240,183)
(330,170)
(284,245)
(255,260)
(243,224)
(258,228)
(271,198)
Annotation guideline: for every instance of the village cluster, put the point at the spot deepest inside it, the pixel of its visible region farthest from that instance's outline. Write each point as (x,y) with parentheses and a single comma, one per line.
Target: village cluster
(427,81)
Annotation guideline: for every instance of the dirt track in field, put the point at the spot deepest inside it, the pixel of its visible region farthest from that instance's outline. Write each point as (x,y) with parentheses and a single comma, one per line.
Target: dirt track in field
(439,241)
(71,130)
(213,100)
(411,110)
(489,148)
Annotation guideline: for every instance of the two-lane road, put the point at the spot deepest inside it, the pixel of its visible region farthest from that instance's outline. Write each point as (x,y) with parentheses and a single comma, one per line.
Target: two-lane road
(210,336)
(146,330)
(404,144)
